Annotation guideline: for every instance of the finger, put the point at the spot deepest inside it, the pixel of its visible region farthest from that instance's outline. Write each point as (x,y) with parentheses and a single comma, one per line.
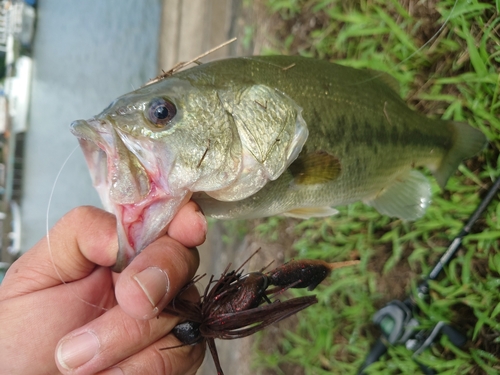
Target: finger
(114,337)
(189,226)
(95,347)
(107,340)
(154,277)
(159,359)
(84,237)
(24,317)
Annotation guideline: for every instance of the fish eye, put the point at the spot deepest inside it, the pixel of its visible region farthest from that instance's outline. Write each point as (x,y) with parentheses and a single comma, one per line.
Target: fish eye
(161,112)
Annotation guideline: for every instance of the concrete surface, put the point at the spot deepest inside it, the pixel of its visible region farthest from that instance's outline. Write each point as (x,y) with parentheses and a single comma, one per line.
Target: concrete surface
(79,53)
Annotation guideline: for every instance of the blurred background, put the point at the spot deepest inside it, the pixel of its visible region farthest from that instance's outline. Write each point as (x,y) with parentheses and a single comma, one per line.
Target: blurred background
(61,61)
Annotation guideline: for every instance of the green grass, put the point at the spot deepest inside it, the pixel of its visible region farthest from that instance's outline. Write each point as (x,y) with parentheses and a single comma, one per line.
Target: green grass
(453,76)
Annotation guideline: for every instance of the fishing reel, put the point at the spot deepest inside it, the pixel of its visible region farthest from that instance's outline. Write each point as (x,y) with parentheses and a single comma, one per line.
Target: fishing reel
(399,327)
(397,319)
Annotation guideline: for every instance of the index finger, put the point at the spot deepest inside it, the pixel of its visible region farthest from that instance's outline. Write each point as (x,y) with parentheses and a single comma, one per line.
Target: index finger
(83,238)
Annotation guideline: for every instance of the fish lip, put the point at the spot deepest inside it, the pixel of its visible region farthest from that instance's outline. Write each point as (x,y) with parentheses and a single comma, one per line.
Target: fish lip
(90,137)
(89,130)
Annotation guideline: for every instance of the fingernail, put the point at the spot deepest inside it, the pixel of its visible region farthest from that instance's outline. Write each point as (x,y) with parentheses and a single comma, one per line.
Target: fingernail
(154,282)
(202,215)
(77,350)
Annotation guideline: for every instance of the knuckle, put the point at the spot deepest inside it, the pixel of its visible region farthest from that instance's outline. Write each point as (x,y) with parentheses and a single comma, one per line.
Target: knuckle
(184,360)
(81,212)
(137,330)
(162,362)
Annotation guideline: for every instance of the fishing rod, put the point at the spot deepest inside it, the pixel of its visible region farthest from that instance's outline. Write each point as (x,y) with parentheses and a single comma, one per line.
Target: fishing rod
(397,319)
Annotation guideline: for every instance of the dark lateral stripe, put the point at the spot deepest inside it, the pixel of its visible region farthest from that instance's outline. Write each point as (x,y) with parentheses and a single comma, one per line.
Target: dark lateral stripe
(347,130)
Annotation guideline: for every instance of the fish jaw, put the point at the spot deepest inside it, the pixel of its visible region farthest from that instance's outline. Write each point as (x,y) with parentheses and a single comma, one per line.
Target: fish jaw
(140,224)
(137,195)
(95,155)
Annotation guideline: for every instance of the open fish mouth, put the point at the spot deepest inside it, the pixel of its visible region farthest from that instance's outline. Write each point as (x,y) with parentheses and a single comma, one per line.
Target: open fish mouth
(126,188)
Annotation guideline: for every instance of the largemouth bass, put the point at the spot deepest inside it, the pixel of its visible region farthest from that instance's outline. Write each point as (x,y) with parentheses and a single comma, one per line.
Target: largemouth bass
(260,136)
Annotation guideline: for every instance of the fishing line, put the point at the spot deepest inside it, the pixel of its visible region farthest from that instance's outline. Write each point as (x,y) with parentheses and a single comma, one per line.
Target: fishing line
(173,70)
(381,73)
(436,34)
(48,231)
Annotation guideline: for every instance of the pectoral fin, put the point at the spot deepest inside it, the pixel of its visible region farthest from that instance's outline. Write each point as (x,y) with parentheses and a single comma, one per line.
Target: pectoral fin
(315,168)
(406,198)
(308,212)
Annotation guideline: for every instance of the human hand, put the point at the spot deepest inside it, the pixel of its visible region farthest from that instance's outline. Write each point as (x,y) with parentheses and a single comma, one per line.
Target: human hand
(98,321)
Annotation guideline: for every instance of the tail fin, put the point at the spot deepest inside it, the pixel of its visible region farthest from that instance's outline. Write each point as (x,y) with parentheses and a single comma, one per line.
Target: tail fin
(467,142)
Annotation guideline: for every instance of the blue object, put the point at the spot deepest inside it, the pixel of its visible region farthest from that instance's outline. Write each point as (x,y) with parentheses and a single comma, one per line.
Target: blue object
(3,270)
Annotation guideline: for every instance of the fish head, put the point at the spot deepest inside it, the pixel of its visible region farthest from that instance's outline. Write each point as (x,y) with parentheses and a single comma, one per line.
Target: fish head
(150,149)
